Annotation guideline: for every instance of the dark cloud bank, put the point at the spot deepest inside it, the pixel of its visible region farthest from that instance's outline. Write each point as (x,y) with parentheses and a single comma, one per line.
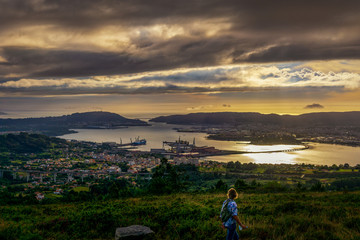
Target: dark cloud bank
(259,31)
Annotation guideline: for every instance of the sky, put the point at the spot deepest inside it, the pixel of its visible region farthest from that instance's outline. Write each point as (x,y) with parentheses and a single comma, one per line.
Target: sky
(145,58)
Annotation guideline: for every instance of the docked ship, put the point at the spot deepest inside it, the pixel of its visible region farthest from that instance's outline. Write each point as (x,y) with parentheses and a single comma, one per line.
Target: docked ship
(138,141)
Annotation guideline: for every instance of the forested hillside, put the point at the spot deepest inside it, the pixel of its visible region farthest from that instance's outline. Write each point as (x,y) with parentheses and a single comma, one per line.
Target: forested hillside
(27,143)
(60,125)
(240,118)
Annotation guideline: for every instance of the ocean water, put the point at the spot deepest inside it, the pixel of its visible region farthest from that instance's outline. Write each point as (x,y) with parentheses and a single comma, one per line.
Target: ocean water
(323,154)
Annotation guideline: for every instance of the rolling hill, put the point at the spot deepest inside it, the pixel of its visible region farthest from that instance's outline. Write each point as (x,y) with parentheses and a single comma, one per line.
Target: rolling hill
(330,119)
(61,125)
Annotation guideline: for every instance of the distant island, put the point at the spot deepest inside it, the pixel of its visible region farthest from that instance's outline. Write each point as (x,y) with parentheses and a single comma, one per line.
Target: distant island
(325,127)
(55,126)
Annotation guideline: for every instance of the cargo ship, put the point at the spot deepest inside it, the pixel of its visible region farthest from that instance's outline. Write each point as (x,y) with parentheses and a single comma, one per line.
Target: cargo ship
(138,141)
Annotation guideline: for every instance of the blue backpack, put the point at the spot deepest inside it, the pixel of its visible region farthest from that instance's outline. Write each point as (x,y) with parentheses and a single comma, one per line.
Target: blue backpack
(225,214)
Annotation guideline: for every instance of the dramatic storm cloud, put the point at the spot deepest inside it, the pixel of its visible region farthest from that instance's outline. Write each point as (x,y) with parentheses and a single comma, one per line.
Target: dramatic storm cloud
(206,47)
(48,38)
(192,80)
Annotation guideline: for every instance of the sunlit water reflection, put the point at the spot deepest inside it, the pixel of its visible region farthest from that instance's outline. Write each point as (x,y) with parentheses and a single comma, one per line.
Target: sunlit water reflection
(159,132)
(273,158)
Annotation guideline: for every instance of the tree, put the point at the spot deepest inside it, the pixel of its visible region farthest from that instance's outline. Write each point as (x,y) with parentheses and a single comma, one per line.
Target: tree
(300,187)
(230,165)
(124,166)
(119,188)
(240,185)
(254,184)
(335,167)
(238,165)
(98,189)
(165,179)
(221,185)
(317,187)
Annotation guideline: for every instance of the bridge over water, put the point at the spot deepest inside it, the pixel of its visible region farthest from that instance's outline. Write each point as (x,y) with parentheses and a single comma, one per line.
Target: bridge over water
(230,152)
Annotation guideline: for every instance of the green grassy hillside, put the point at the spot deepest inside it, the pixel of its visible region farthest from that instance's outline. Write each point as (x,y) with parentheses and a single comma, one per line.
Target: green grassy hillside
(330,215)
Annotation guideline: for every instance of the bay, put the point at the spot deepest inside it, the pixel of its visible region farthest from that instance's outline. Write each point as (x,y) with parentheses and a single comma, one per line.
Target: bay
(321,154)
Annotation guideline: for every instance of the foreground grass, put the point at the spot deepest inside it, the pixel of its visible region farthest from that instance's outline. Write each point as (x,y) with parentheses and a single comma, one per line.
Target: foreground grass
(190,216)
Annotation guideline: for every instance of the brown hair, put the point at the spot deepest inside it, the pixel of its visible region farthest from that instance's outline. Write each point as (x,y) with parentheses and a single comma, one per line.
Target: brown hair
(232,193)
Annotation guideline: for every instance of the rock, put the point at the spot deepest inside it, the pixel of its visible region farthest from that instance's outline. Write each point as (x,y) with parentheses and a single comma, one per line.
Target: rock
(133,232)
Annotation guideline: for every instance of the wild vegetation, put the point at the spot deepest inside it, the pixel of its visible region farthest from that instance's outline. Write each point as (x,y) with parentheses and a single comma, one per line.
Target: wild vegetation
(330,215)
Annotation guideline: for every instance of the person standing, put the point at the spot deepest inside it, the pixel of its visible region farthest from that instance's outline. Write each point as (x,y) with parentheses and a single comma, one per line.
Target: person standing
(229,215)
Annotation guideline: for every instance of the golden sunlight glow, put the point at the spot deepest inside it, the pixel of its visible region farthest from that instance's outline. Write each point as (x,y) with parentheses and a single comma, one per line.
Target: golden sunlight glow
(333,66)
(2,60)
(109,37)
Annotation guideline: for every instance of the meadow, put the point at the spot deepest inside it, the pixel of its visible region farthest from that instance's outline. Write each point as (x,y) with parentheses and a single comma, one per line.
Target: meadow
(302,215)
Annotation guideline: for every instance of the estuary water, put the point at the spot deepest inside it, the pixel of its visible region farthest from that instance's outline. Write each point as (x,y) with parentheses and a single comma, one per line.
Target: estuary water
(323,154)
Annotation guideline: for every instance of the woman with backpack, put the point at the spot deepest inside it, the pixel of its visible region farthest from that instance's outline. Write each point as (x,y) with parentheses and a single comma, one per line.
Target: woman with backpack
(229,215)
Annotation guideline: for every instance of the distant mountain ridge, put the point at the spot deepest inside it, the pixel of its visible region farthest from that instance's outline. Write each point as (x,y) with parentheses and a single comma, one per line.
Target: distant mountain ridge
(61,125)
(241,118)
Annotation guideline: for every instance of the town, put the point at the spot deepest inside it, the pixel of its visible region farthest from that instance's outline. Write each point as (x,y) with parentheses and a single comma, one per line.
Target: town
(65,166)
